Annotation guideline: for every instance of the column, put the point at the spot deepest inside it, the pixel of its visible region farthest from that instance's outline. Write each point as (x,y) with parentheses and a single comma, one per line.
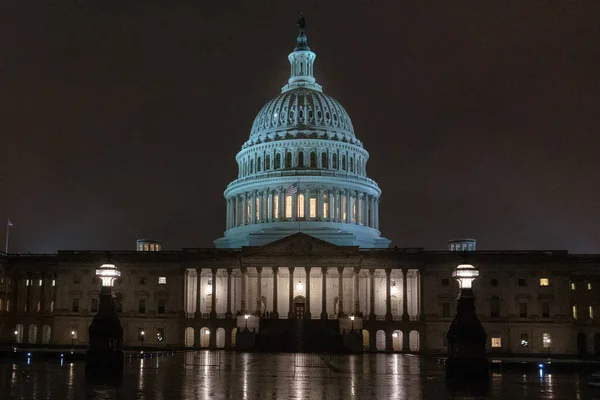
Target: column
(340,292)
(244,209)
(331,206)
(236,212)
(213,298)
(199,292)
(307,314)
(348,208)
(281,204)
(356,292)
(324,293)
(320,215)
(376,214)
(244,279)
(185,291)
(228,313)
(372,295)
(275,313)
(291,313)
(421,296)
(404,295)
(258,293)
(264,207)
(388,294)
(307,195)
(253,207)
(295,206)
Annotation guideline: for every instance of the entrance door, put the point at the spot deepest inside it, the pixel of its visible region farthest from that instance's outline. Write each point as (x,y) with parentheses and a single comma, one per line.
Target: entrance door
(299,307)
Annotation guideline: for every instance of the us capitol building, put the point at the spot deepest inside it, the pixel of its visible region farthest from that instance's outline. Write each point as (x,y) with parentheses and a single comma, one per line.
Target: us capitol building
(302,265)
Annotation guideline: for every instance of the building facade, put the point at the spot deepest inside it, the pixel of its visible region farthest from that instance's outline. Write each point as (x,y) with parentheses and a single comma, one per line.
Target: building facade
(302,244)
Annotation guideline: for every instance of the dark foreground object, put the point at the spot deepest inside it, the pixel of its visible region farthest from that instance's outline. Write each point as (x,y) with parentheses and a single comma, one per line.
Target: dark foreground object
(105,356)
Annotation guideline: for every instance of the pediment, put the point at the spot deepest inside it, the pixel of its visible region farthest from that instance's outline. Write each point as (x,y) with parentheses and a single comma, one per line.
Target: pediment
(299,245)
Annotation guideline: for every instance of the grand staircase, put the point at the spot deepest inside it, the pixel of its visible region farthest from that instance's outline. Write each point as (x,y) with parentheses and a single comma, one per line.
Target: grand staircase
(299,335)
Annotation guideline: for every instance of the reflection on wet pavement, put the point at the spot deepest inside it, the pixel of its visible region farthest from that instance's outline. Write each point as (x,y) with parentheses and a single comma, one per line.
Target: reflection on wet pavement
(229,375)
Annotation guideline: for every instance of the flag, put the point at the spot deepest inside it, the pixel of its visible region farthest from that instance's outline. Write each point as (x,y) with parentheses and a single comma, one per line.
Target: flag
(8,223)
(292,189)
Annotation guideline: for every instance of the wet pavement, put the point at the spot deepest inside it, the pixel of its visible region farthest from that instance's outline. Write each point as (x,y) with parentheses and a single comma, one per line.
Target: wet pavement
(229,375)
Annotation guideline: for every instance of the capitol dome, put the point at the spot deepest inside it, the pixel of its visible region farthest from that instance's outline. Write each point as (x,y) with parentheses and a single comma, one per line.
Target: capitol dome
(302,170)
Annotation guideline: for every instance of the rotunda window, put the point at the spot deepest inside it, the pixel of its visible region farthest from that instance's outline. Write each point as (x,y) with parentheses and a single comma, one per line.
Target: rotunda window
(343,163)
(301,159)
(324,160)
(288,160)
(258,166)
(267,162)
(313,160)
(277,161)
(251,166)
(334,163)
(351,164)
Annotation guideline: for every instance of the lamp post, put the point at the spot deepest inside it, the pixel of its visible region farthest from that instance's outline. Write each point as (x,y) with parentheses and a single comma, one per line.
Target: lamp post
(352,321)
(72,338)
(547,342)
(466,336)
(246,318)
(142,333)
(105,353)
(16,336)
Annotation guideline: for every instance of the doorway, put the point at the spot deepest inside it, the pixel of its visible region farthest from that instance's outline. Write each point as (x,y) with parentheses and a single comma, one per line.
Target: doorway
(299,306)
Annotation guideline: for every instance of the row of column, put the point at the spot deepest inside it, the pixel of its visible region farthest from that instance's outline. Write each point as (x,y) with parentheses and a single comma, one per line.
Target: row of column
(272,205)
(307,311)
(28,293)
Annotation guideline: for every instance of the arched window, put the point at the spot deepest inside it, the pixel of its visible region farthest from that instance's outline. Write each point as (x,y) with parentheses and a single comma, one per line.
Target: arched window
(334,163)
(267,162)
(301,159)
(258,166)
(343,163)
(351,164)
(300,204)
(313,159)
(288,160)
(251,166)
(277,161)
(324,163)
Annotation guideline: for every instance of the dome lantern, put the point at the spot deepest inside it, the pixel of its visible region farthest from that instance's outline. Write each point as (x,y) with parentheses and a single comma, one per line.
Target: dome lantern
(301,62)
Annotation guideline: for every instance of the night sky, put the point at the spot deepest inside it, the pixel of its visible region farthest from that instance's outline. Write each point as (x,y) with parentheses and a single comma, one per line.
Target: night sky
(121,119)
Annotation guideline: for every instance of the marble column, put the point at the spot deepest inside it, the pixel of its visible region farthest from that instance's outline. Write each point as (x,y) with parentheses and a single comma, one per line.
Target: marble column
(307,314)
(348,207)
(340,292)
(331,206)
(405,294)
(244,209)
(228,312)
(307,204)
(356,292)
(324,293)
(244,280)
(281,205)
(291,313)
(388,295)
(198,293)
(236,211)
(275,313)
(258,290)
(320,214)
(213,298)
(253,198)
(372,316)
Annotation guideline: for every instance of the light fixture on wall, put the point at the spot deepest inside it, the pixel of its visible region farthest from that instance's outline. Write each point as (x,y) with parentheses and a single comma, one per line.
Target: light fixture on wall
(209,287)
(465,274)
(395,334)
(108,274)
(394,290)
(299,286)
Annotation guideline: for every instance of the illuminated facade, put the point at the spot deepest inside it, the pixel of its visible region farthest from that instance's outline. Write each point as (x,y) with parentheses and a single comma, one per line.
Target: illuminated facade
(302,251)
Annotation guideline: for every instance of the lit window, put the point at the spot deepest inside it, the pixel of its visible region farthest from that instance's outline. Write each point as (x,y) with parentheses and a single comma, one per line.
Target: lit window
(27,282)
(544,282)
(145,246)
(313,207)
(344,201)
(276,206)
(546,341)
(300,204)
(151,246)
(141,247)
(40,283)
(248,212)
(325,209)
(496,342)
(574,310)
(572,285)
(53,282)
(288,206)
(591,312)
(162,280)
(157,247)
(589,286)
